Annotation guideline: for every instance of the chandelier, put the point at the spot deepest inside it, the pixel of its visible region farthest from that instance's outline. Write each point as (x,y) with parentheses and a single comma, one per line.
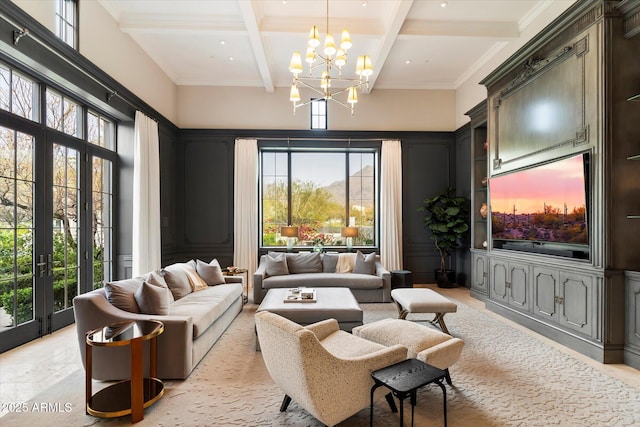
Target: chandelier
(325,71)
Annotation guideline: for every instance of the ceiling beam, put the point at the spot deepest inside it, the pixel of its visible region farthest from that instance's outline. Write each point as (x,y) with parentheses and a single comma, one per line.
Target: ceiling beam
(396,20)
(251,21)
(422,28)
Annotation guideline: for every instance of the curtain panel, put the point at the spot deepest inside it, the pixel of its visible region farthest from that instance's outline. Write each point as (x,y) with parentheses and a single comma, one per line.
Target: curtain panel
(245,207)
(391,205)
(147,249)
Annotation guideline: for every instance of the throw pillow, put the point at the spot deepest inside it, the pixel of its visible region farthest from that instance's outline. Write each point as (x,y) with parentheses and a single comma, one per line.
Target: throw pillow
(155,278)
(214,262)
(329,263)
(120,294)
(153,299)
(211,274)
(365,264)
(177,280)
(276,264)
(304,263)
(191,263)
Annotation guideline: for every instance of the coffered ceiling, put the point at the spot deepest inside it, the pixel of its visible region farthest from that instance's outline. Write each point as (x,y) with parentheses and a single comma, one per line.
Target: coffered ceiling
(415,44)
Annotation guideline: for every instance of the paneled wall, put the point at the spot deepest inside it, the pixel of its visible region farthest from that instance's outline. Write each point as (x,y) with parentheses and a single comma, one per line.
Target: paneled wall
(199,205)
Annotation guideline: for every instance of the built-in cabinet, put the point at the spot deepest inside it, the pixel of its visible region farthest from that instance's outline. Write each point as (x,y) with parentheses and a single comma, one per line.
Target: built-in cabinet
(510,283)
(479,200)
(632,309)
(561,95)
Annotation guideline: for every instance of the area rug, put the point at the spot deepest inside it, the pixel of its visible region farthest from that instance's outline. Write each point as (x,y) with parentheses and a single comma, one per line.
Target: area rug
(505,377)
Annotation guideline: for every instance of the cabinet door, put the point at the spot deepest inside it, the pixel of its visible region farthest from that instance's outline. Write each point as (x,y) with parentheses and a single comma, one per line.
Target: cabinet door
(545,285)
(499,279)
(480,270)
(632,287)
(519,285)
(576,310)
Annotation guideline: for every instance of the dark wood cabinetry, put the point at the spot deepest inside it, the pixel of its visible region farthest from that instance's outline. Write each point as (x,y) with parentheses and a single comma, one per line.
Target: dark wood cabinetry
(561,95)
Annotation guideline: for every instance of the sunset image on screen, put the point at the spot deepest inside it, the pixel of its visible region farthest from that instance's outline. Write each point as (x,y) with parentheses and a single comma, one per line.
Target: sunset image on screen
(544,203)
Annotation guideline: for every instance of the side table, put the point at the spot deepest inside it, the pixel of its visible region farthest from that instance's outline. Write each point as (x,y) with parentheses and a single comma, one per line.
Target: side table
(404,379)
(129,396)
(238,271)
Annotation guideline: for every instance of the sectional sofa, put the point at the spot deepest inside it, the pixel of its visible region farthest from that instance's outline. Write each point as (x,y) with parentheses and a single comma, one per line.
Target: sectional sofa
(367,278)
(194,301)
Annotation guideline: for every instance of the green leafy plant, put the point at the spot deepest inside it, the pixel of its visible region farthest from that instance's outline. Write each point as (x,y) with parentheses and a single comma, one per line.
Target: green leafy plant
(446,218)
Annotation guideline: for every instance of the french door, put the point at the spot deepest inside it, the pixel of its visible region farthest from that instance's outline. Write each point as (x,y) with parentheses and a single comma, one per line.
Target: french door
(46,229)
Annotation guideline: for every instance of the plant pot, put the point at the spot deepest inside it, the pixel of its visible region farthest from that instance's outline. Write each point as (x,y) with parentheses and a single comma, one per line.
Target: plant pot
(446,280)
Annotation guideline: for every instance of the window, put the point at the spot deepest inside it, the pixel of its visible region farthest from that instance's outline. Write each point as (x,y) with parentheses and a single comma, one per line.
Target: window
(100,131)
(18,94)
(67,22)
(319,114)
(319,192)
(63,114)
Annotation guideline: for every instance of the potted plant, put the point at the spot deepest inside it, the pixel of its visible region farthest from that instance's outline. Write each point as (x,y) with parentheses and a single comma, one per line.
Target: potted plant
(446,217)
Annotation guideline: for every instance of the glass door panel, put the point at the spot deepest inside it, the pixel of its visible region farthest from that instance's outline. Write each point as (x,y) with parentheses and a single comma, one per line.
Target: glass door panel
(18,273)
(102,227)
(66,220)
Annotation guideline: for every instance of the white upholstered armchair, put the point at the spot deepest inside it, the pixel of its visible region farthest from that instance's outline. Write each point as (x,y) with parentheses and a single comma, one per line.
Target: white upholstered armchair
(325,370)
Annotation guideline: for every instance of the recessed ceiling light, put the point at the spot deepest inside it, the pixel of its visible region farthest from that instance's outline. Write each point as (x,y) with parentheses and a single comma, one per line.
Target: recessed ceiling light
(222,42)
(443,4)
(364,3)
(231,58)
(408,61)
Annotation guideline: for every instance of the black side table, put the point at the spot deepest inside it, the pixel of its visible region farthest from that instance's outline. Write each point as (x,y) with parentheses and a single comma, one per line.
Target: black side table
(404,379)
(401,279)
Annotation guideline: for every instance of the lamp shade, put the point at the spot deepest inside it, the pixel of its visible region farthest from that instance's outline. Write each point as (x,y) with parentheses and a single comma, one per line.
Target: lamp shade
(289,231)
(349,231)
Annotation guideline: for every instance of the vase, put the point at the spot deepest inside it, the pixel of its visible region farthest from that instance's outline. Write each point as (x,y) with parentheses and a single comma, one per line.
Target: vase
(484,209)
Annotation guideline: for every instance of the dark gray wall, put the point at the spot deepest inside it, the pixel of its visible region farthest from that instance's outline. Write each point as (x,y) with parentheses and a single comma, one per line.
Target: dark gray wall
(204,189)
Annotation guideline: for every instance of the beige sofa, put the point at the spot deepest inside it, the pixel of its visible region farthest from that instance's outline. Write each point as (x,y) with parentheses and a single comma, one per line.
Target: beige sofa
(364,275)
(193,320)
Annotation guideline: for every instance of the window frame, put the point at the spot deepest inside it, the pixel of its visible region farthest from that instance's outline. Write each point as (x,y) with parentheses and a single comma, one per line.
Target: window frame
(63,22)
(371,146)
(314,114)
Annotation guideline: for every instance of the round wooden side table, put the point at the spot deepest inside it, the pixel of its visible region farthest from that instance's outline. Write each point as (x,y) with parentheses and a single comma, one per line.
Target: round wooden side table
(129,396)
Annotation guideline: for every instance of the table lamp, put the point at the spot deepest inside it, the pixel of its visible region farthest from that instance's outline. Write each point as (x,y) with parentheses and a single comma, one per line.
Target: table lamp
(349,233)
(290,233)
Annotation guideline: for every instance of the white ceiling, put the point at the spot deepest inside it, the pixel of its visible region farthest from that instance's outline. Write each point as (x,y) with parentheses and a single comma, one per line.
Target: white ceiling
(412,43)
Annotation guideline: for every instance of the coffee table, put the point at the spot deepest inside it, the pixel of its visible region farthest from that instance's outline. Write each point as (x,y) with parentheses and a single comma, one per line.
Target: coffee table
(331,303)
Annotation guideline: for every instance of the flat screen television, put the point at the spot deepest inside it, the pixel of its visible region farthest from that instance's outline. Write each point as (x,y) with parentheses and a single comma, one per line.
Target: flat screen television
(543,209)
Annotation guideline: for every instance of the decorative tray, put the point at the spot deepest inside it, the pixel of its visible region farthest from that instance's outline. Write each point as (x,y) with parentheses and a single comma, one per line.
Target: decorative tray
(300,295)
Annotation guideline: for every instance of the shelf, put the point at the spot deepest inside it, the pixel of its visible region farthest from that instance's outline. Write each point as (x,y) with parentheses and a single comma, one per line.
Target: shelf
(636,157)
(634,98)
(633,216)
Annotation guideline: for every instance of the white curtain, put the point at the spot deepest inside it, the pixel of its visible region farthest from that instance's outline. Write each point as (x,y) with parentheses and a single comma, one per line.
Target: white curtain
(391,205)
(146,251)
(245,207)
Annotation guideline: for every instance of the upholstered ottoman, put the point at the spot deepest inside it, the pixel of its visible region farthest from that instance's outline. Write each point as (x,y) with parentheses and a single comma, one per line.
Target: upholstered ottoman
(420,300)
(423,343)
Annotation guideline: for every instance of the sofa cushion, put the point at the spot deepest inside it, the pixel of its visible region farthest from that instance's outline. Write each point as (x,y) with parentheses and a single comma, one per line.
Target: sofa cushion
(206,306)
(121,294)
(211,274)
(276,264)
(304,263)
(153,299)
(329,263)
(365,264)
(316,280)
(177,280)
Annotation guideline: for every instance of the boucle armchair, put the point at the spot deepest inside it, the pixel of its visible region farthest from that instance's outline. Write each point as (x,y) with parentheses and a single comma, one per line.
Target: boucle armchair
(323,369)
